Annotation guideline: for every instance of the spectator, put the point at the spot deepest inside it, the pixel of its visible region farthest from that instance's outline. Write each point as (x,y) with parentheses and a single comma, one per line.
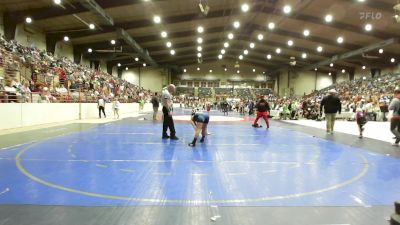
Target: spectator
(331,105)
(156,105)
(101,104)
(395,121)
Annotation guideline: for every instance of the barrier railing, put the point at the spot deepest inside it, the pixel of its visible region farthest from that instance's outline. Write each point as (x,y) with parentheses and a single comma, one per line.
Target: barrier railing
(52,97)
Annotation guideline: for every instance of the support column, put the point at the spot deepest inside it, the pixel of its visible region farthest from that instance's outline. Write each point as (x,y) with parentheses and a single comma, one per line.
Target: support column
(316,80)
(51,42)
(351,75)
(119,72)
(375,72)
(77,55)
(109,68)
(9,26)
(334,76)
(96,64)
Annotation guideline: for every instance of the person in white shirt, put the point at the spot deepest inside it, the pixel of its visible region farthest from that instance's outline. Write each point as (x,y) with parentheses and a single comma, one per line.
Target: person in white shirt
(101,104)
(168,122)
(115,106)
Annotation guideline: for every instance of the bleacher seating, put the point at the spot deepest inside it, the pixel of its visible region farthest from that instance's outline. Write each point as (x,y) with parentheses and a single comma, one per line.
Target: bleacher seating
(28,74)
(189,91)
(205,92)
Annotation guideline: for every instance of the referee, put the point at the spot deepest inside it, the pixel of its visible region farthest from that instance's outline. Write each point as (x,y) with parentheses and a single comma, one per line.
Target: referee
(168,122)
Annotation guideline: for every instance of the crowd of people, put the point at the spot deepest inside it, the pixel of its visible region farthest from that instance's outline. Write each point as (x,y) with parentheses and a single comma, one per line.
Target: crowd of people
(26,70)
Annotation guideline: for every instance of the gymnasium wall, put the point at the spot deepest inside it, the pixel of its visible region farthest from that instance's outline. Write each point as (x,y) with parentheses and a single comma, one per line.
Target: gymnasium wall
(64,49)
(148,78)
(218,72)
(30,36)
(302,82)
(29,114)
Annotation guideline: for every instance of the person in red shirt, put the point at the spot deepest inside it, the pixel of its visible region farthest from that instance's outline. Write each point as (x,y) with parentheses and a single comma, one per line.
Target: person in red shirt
(263,109)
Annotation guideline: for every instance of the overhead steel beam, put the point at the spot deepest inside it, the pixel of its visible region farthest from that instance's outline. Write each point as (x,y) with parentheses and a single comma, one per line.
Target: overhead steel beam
(96,9)
(144,54)
(69,9)
(357,52)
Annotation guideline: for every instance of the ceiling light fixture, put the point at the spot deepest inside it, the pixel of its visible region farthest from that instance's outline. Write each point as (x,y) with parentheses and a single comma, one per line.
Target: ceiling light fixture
(113,42)
(271,26)
(304,55)
(381,51)
(306,33)
(230,36)
(368,27)
(200,29)
(245,52)
(92,26)
(287,9)
(57,2)
(320,48)
(278,51)
(252,45)
(199,55)
(236,24)
(331,65)
(226,44)
(260,37)
(172,52)
(119,64)
(144,64)
(157,19)
(269,56)
(66,38)
(164,34)
(393,60)
(136,59)
(199,40)
(241,57)
(340,40)
(222,51)
(328,18)
(290,43)
(219,56)
(364,67)
(90,50)
(28,20)
(245,7)
(199,48)
(169,44)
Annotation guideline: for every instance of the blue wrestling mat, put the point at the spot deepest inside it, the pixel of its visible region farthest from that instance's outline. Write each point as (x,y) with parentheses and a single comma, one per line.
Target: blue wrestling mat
(127,163)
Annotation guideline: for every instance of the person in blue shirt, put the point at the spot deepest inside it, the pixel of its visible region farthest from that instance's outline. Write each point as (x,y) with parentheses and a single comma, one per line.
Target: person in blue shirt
(199,121)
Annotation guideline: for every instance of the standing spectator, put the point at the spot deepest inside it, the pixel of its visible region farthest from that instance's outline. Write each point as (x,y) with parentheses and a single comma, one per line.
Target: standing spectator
(101,104)
(331,105)
(167,109)
(141,104)
(115,106)
(395,121)
(156,105)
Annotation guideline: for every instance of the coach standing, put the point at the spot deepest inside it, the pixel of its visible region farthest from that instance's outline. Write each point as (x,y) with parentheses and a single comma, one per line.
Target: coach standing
(167,103)
(331,105)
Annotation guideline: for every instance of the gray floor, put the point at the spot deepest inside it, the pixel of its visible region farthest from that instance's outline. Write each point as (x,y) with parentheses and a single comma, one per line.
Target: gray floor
(176,215)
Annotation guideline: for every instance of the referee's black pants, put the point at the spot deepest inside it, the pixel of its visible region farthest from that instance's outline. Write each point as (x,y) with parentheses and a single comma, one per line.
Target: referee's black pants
(168,122)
